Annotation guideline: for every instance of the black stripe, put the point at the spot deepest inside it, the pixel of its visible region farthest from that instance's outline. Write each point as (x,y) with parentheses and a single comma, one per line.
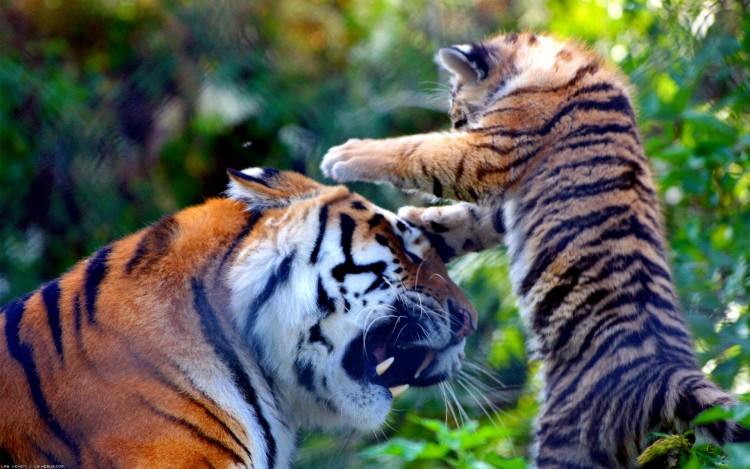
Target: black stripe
(554,438)
(322,223)
(606,321)
(460,168)
(625,181)
(95,272)
(247,177)
(349,267)
(51,297)
(587,69)
(276,280)
(305,375)
(194,430)
(596,130)
(557,295)
(559,193)
(605,384)
(636,292)
(595,88)
(51,459)
(501,110)
(632,226)
(376,220)
(153,244)
(628,394)
(566,146)
(316,335)
(5,458)
(23,354)
(590,162)
(77,314)
(222,347)
(437,187)
(612,263)
(442,248)
(553,463)
(519,159)
(157,373)
(252,220)
(618,104)
(573,226)
(324,301)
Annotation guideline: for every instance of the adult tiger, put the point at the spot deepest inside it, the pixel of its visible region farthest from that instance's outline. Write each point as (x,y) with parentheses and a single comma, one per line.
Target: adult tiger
(545,152)
(208,338)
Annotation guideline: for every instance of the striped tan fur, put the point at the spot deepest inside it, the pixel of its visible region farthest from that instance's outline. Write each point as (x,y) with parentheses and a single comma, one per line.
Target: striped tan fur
(545,155)
(209,338)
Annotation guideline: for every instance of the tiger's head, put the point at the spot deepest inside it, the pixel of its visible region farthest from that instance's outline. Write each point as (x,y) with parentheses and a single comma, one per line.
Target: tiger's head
(482,73)
(343,303)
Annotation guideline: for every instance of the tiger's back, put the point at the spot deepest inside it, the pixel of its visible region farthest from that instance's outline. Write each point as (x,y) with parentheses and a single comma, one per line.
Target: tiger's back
(70,364)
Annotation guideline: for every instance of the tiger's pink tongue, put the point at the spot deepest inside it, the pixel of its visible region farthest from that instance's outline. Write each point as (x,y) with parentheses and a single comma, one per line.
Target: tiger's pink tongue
(379,353)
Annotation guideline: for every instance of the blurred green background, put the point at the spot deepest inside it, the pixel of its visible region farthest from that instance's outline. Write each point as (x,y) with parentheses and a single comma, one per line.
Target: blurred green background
(114,113)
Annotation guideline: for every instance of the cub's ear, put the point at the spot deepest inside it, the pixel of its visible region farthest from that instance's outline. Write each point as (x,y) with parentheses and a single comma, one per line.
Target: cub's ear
(470,62)
(261,188)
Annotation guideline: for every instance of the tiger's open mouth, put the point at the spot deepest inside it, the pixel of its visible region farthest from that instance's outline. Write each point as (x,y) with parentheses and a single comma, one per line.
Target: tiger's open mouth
(395,355)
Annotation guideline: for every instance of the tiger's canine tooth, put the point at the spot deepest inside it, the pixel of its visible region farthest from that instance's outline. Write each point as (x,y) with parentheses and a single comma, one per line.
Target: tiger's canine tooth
(384,365)
(398,390)
(425,363)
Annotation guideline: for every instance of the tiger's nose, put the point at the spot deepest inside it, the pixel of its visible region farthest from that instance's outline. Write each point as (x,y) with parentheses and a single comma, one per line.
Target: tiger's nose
(463,322)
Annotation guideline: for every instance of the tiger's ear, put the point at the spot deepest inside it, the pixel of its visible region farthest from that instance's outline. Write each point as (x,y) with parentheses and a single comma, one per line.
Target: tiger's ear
(261,188)
(470,62)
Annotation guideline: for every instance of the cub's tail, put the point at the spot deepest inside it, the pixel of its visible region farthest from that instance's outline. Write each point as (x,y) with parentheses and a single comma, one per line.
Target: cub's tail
(696,394)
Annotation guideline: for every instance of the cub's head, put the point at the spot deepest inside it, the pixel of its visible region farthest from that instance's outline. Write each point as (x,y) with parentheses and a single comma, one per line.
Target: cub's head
(343,303)
(484,73)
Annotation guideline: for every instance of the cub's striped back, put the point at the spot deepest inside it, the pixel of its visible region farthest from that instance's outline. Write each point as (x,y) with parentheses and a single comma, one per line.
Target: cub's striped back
(210,337)
(545,153)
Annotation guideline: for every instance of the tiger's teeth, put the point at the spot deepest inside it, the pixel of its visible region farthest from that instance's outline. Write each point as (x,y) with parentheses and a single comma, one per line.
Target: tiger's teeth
(398,390)
(383,367)
(425,363)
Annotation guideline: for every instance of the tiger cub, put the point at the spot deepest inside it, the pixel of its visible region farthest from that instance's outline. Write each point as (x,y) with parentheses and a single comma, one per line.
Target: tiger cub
(545,153)
(210,337)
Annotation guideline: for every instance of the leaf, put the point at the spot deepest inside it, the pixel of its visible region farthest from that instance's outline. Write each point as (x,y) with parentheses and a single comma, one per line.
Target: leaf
(714,414)
(406,449)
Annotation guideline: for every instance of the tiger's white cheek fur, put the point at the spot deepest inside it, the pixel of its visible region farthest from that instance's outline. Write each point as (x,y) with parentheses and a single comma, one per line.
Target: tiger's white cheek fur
(274,304)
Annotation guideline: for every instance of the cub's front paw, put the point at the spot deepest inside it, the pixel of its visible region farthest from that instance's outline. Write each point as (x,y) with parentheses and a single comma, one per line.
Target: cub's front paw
(461,216)
(358,160)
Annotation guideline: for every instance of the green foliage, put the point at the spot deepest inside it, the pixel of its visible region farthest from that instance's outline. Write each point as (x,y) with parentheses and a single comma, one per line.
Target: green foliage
(469,446)
(115,113)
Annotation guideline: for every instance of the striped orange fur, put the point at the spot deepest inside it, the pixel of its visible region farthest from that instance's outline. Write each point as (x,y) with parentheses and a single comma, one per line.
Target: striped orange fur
(210,337)
(545,154)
